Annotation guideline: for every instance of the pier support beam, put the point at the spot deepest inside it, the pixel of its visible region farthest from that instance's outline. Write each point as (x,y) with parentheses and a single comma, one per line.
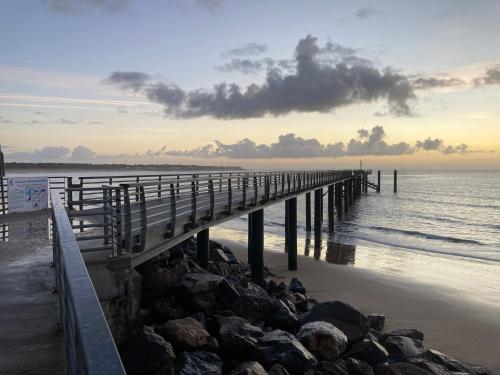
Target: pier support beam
(291,229)
(331,213)
(338,198)
(378,182)
(202,248)
(395,181)
(256,246)
(318,217)
(308,212)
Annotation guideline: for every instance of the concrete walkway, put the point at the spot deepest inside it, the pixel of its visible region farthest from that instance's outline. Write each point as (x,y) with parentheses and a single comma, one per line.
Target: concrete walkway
(29,343)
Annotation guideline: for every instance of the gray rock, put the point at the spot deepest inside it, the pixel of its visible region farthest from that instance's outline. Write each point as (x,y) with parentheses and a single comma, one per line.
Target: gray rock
(199,363)
(356,367)
(431,367)
(323,339)
(281,317)
(283,348)
(296,286)
(400,368)
(343,316)
(376,321)
(161,278)
(338,367)
(238,337)
(194,283)
(369,351)
(187,334)
(218,255)
(148,353)
(277,369)
(406,332)
(404,347)
(450,363)
(249,368)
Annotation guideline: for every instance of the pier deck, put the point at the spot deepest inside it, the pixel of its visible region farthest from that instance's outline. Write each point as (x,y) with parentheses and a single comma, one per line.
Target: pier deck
(28,339)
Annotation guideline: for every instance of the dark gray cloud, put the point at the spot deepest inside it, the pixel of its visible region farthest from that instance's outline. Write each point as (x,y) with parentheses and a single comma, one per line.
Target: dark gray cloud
(368,143)
(366,12)
(423,83)
(246,66)
(460,149)
(249,49)
(77,6)
(430,144)
(314,86)
(44,154)
(133,81)
(82,154)
(491,77)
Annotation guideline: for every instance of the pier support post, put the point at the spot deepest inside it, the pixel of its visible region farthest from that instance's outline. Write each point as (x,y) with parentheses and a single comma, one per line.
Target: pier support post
(346,197)
(308,212)
(378,182)
(318,217)
(287,232)
(257,246)
(202,248)
(338,196)
(250,239)
(291,225)
(395,181)
(331,213)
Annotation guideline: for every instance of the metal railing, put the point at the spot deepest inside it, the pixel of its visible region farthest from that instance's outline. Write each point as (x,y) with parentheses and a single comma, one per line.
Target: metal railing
(90,348)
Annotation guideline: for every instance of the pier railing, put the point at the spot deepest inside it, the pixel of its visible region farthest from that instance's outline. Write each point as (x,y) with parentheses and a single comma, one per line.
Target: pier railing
(90,348)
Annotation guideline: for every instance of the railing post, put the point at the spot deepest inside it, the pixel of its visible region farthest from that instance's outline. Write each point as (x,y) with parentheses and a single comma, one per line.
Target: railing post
(118,222)
(212,198)
(256,188)
(178,185)
(229,196)
(2,194)
(173,211)
(275,186)
(244,193)
(106,198)
(159,187)
(291,224)
(128,218)
(193,203)
(144,220)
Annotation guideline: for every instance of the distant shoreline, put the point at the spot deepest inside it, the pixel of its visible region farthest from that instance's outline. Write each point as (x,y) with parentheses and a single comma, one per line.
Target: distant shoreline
(12,167)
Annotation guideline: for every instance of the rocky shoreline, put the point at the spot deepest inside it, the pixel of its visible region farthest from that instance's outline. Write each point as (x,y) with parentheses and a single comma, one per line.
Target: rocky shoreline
(216,321)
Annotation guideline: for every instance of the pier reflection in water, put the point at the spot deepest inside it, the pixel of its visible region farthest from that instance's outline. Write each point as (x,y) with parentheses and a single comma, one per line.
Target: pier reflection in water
(340,253)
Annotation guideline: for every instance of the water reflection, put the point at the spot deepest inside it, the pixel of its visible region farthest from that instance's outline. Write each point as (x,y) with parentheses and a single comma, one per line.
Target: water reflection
(340,253)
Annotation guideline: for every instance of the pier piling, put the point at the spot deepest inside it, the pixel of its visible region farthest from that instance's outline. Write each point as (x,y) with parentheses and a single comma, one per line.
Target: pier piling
(331,213)
(395,181)
(257,246)
(318,200)
(202,248)
(291,225)
(308,212)
(378,181)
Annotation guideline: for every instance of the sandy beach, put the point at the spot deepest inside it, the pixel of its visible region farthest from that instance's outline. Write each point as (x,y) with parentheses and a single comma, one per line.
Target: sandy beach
(464,329)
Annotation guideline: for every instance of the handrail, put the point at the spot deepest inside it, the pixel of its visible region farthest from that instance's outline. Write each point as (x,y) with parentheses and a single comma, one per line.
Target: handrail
(90,348)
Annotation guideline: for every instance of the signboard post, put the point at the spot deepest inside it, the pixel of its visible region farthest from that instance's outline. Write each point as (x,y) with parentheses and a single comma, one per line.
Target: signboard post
(28,193)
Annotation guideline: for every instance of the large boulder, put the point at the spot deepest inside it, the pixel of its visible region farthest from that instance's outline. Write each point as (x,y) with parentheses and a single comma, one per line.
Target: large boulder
(196,282)
(148,353)
(376,321)
(431,367)
(249,368)
(446,361)
(404,347)
(199,363)
(369,351)
(400,368)
(332,368)
(323,339)
(296,286)
(406,332)
(187,334)
(343,316)
(356,367)
(283,348)
(238,337)
(162,278)
(282,317)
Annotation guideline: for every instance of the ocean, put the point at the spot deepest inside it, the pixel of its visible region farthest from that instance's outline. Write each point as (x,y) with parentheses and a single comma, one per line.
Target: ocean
(442,228)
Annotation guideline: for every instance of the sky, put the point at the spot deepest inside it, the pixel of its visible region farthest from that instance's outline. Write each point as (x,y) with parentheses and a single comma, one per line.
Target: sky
(258,83)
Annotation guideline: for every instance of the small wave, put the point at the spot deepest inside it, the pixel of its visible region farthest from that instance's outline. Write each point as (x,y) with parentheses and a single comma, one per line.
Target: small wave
(428,235)
(449,203)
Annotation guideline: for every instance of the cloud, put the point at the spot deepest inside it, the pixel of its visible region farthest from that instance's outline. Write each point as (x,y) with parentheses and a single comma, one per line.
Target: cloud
(133,81)
(210,5)
(249,49)
(95,122)
(246,66)
(491,77)
(430,144)
(368,143)
(45,154)
(314,86)
(423,83)
(366,12)
(82,154)
(33,122)
(65,121)
(77,6)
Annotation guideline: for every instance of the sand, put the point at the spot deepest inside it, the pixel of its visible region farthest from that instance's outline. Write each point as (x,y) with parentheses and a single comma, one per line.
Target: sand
(466,330)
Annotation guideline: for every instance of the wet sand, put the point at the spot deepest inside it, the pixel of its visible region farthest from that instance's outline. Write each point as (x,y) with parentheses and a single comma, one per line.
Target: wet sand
(466,330)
